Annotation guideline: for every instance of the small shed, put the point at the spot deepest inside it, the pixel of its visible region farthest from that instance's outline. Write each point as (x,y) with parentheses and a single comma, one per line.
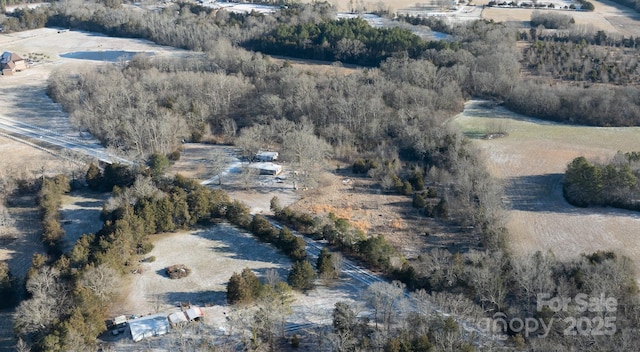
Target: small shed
(178,318)
(194,313)
(267,156)
(149,326)
(191,314)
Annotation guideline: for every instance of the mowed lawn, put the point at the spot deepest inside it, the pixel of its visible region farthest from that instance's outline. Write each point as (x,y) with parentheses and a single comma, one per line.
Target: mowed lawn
(531,161)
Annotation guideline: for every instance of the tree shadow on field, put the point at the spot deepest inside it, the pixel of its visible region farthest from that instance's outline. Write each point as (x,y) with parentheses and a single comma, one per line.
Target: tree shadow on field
(543,193)
(31,104)
(90,204)
(237,244)
(200,298)
(28,240)
(536,193)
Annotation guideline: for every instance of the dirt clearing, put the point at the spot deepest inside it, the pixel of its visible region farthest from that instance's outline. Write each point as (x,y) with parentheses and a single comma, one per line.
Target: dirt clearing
(531,162)
(256,191)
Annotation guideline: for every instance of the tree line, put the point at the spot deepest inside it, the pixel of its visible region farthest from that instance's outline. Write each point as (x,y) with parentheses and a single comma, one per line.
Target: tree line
(612,184)
(633,4)
(583,62)
(351,41)
(473,285)
(478,70)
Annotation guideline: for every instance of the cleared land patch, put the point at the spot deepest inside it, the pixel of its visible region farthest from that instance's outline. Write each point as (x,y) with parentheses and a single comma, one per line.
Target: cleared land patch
(531,162)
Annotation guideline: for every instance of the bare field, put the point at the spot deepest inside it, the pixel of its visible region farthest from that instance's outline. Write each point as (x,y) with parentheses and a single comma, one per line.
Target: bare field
(607,16)
(531,161)
(367,207)
(212,254)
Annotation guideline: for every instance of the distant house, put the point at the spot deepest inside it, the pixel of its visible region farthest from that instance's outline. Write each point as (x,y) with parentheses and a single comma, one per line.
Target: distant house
(267,156)
(149,326)
(11,63)
(266,168)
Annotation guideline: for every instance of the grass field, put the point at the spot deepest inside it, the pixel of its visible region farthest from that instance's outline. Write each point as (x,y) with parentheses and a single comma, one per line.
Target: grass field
(531,161)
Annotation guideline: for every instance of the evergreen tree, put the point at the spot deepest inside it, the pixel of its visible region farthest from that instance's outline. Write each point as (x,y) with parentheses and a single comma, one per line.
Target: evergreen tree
(344,318)
(324,265)
(251,282)
(158,164)
(94,177)
(236,291)
(243,288)
(301,275)
(418,201)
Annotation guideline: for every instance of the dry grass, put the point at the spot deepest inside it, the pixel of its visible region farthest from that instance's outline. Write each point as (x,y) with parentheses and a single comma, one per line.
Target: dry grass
(531,161)
(607,16)
(376,212)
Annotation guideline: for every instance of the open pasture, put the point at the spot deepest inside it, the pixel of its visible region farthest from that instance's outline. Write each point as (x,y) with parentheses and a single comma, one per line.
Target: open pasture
(531,161)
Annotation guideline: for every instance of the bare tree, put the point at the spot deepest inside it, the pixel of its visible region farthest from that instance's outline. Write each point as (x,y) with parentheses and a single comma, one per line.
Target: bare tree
(383,298)
(533,274)
(337,261)
(22,346)
(102,281)
(486,275)
(272,277)
(6,221)
(306,152)
(250,141)
(50,299)
(248,176)
(219,161)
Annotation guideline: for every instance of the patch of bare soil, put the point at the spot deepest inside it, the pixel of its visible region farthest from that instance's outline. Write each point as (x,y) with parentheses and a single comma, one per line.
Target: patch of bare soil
(367,207)
(531,161)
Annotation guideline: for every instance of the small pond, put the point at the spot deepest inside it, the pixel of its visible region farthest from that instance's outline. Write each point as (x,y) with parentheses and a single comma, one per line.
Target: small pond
(109,55)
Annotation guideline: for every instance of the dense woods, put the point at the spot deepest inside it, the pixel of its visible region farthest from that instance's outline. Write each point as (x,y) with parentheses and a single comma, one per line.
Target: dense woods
(351,41)
(583,62)
(388,121)
(612,184)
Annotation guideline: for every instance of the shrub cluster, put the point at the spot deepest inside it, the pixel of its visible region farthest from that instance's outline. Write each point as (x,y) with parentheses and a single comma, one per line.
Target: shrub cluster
(291,245)
(113,175)
(551,20)
(177,271)
(362,166)
(375,250)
